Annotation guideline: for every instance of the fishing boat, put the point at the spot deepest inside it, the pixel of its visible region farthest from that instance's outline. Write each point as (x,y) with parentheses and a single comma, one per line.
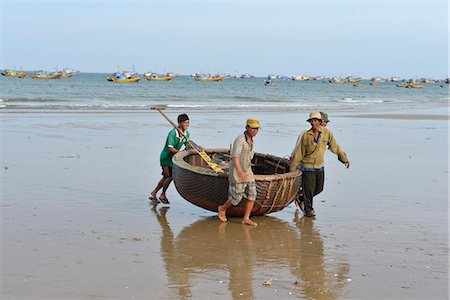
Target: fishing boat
(338,80)
(159,77)
(353,79)
(427,80)
(124,76)
(66,73)
(396,79)
(13,73)
(414,86)
(301,78)
(410,85)
(378,79)
(208,77)
(268,81)
(401,84)
(282,77)
(196,182)
(45,75)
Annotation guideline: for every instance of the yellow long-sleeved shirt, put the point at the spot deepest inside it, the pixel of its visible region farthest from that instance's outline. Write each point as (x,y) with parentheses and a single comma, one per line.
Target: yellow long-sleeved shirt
(311,154)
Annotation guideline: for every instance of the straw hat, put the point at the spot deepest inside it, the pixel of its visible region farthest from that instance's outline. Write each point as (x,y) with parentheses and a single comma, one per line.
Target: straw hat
(253,123)
(314,115)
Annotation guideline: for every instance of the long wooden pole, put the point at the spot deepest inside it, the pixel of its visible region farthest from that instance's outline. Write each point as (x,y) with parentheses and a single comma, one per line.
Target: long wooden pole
(197,149)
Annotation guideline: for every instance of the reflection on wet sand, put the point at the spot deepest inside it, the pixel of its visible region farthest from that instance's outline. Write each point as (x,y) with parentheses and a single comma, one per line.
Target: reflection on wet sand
(208,250)
(311,269)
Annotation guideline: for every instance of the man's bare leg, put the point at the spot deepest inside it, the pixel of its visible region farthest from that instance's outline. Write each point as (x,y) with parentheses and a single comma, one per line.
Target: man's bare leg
(166,184)
(222,211)
(157,188)
(248,209)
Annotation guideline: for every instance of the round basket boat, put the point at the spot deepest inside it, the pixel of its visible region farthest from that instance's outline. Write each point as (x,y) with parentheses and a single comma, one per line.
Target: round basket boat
(195,181)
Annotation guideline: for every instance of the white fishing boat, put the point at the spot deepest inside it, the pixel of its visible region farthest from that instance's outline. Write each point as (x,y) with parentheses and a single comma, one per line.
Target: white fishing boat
(396,79)
(378,79)
(67,72)
(301,78)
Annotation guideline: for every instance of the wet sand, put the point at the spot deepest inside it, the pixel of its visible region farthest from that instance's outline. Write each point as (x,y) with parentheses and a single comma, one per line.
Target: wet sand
(401,116)
(77,224)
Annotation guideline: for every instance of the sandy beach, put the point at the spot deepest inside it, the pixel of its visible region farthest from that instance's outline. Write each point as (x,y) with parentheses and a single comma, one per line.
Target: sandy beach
(77,222)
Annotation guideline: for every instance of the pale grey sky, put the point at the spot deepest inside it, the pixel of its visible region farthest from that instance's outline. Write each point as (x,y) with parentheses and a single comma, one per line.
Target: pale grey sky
(331,38)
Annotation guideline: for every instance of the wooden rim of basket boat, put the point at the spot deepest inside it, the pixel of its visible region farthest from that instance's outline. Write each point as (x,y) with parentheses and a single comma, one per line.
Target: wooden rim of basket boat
(276,186)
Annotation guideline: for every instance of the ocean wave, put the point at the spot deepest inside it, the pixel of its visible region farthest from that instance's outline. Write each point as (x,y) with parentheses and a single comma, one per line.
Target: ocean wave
(237,106)
(267,106)
(245,98)
(123,106)
(360,100)
(37,100)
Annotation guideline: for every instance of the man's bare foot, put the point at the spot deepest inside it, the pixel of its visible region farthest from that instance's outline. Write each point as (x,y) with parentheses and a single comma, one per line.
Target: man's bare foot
(249,222)
(153,198)
(163,199)
(222,214)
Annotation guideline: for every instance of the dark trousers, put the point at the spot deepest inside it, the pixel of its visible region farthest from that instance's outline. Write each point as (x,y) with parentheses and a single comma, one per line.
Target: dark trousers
(312,184)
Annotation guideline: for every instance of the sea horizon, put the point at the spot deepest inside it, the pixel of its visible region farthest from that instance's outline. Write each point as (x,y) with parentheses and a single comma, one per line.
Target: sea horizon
(91,91)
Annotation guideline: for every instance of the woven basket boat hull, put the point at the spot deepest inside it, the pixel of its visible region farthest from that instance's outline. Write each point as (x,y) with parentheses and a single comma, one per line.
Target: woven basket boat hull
(197,183)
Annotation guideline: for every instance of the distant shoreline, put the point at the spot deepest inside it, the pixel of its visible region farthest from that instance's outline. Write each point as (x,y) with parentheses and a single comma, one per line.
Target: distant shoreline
(312,78)
(439,116)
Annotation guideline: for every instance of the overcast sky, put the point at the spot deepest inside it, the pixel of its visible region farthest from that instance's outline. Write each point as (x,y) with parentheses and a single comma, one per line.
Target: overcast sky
(331,38)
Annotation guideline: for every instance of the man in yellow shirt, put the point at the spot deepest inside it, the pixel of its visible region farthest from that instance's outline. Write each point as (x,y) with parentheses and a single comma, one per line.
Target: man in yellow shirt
(309,154)
(299,202)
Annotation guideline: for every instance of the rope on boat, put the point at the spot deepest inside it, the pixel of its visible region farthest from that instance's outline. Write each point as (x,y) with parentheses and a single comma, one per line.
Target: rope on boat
(281,186)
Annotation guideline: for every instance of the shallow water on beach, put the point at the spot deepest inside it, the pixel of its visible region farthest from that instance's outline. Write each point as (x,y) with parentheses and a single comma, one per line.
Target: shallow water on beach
(286,258)
(91,91)
(77,224)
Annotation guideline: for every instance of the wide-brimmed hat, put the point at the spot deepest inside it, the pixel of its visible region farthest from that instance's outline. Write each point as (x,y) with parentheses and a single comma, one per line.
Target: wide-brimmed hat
(253,123)
(314,115)
(324,116)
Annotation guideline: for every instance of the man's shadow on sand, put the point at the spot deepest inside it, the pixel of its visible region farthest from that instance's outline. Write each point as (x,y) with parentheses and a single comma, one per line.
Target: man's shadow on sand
(211,246)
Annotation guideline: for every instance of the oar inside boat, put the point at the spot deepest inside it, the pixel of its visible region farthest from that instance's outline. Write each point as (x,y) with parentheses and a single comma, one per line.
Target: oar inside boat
(215,167)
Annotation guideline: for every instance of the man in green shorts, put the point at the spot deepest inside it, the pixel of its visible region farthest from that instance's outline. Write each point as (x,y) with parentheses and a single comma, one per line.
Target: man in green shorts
(241,178)
(174,142)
